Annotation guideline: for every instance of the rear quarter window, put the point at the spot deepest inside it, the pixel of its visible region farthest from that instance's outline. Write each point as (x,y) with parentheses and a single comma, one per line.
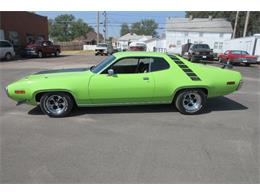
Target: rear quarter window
(158,64)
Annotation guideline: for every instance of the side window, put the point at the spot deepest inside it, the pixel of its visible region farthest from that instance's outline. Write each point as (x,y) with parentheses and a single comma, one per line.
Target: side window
(124,66)
(4,44)
(158,64)
(49,43)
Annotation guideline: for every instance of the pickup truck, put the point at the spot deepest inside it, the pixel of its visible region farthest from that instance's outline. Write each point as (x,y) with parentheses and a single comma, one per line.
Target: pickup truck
(198,52)
(103,49)
(41,49)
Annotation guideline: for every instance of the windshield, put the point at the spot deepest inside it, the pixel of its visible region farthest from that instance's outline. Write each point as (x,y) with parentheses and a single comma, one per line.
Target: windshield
(201,46)
(102,64)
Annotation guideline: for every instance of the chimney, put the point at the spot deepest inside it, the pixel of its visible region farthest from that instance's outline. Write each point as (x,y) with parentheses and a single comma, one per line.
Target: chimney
(190,17)
(210,17)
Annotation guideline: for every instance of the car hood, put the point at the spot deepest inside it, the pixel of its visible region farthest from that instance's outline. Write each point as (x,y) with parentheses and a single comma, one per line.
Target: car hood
(69,70)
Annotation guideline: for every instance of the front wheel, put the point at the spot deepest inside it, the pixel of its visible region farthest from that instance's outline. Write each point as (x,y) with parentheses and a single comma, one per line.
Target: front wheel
(191,101)
(40,54)
(56,104)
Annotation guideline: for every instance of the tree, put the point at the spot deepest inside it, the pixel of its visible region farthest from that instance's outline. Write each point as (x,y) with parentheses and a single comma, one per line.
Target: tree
(253,25)
(145,27)
(124,29)
(66,28)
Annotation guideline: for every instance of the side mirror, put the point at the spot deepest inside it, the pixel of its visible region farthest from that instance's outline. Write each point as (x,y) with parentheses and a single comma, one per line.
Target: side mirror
(110,72)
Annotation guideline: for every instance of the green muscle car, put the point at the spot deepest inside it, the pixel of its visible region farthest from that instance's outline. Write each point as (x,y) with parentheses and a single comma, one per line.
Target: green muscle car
(126,78)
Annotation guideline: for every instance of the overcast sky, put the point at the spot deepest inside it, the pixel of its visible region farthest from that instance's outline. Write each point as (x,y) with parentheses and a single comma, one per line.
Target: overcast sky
(116,18)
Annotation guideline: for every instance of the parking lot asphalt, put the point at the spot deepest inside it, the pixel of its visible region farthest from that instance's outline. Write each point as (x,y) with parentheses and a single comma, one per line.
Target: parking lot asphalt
(139,144)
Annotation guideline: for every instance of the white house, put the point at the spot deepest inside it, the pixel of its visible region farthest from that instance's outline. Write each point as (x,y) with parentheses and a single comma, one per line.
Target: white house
(211,31)
(156,44)
(124,41)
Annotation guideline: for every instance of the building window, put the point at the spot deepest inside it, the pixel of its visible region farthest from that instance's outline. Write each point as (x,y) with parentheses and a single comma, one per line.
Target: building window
(14,38)
(178,42)
(200,34)
(29,38)
(186,34)
(220,46)
(216,45)
(221,35)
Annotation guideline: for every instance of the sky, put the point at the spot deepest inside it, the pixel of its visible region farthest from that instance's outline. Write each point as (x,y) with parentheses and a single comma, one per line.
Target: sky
(116,18)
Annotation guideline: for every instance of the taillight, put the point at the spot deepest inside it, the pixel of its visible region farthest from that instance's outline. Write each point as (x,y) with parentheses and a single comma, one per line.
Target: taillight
(19,91)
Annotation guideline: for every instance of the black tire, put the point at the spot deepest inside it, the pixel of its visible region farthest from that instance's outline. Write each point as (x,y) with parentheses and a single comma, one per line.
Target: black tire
(40,54)
(182,105)
(57,53)
(65,107)
(8,56)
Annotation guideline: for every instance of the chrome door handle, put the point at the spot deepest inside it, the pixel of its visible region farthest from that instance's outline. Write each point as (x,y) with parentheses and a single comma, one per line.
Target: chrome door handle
(146,78)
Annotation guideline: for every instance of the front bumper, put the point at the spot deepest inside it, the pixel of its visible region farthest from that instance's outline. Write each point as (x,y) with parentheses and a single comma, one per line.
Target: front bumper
(30,53)
(203,57)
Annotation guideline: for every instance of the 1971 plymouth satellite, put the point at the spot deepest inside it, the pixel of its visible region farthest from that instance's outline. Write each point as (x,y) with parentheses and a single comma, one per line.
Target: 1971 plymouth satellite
(126,78)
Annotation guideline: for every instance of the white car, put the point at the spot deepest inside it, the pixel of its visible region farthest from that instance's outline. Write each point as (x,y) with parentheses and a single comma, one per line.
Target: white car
(6,50)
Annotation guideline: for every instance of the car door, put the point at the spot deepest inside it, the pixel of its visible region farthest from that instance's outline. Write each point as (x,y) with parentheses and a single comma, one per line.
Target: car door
(130,83)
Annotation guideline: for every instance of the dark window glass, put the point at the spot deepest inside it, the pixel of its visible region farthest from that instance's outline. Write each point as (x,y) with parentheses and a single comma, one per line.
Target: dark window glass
(103,64)
(158,64)
(244,53)
(125,66)
(236,52)
(5,44)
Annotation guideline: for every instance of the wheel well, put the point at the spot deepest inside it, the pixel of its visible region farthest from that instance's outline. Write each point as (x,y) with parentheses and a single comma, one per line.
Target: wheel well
(180,90)
(40,94)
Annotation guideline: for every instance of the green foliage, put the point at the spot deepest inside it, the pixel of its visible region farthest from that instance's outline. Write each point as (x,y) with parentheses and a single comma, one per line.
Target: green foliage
(66,28)
(253,25)
(144,27)
(124,29)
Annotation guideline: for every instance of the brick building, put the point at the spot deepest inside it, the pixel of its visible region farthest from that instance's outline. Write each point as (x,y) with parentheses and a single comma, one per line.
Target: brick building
(21,27)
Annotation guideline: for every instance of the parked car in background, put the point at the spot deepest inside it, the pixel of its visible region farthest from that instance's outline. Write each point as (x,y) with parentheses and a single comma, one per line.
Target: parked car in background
(237,57)
(137,46)
(197,52)
(126,78)
(6,50)
(104,49)
(41,49)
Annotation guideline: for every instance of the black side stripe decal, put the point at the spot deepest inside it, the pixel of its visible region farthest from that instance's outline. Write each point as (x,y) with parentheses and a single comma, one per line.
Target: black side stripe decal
(186,69)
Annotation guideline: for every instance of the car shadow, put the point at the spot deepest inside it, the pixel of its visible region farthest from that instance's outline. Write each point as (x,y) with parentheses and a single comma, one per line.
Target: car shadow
(213,104)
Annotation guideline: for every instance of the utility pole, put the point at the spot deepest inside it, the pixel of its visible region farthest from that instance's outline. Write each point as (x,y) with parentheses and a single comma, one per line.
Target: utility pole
(246,23)
(105,26)
(235,27)
(98,27)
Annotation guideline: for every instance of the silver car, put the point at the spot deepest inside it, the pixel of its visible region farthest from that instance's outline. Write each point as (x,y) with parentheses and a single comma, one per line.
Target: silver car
(6,50)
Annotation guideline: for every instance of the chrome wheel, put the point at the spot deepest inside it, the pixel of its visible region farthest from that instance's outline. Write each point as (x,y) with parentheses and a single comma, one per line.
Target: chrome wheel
(56,104)
(192,102)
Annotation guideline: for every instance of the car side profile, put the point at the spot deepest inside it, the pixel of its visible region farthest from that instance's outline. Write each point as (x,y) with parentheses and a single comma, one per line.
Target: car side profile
(237,57)
(6,50)
(41,49)
(126,78)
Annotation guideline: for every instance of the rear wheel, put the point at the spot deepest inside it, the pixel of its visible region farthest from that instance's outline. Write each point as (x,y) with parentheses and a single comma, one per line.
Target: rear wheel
(191,101)
(8,56)
(56,104)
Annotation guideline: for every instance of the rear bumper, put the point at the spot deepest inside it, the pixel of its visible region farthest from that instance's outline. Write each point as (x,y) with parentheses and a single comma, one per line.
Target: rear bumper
(244,60)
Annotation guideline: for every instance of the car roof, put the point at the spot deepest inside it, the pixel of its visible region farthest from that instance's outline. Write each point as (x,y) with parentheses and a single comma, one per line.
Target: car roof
(139,53)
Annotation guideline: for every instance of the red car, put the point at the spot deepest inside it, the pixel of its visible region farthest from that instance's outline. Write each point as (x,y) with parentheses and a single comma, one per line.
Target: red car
(41,49)
(237,57)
